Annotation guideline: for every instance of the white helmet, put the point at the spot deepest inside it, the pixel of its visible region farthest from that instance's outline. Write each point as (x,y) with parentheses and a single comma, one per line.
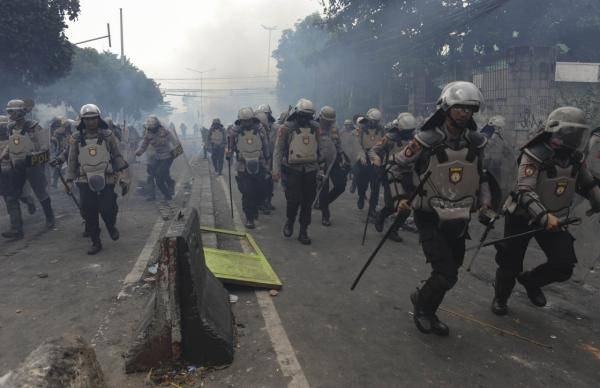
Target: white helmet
(461,93)
(89,110)
(498,122)
(405,120)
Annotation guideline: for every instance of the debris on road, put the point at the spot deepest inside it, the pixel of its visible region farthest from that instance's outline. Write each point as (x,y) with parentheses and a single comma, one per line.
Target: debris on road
(42,275)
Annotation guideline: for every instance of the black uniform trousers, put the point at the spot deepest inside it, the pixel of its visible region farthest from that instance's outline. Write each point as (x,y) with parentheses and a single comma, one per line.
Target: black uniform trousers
(159,172)
(337,176)
(445,253)
(300,192)
(93,204)
(252,188)
(217,155)
(558,247)
(368,176)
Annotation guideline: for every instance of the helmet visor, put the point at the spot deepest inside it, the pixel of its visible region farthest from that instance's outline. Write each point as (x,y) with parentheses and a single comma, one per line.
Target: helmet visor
(571,136)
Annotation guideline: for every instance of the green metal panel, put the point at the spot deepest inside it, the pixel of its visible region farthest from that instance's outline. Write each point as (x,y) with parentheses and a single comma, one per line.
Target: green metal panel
(251,269)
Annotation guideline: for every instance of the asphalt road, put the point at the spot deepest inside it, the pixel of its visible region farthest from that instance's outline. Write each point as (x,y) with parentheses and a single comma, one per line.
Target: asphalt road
(366,337)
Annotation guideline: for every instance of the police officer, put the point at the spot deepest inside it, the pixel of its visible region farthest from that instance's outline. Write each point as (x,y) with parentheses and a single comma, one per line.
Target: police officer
(96,166)
(217,140)
(396,178)
(28,151)
(251,148)
(449,147)
(371,132)
(163,144)
(265,115)
(296,162)
(334,163)
(205,145)
(60,132)
(551,170)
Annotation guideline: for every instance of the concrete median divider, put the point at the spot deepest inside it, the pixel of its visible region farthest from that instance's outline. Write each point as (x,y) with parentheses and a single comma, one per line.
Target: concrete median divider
(189,317)
(67,361)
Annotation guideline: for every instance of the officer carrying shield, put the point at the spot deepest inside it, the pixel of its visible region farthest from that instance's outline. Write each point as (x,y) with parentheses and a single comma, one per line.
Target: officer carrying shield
(217,140)
(251,149)
(96,166)
(449,150)
(396,178)
(28,151)
(371,132)
(296,162)
(551,171)
(163,144)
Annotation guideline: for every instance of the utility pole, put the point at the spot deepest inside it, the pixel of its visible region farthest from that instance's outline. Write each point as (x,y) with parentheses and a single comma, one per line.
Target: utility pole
(122,47)
(107,36)
(270,29)
(201,72)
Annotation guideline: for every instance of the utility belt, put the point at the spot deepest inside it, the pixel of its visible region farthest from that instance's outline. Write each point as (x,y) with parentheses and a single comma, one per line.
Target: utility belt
(453,217)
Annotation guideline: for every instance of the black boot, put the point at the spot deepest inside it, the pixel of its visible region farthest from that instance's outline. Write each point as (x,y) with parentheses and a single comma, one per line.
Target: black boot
(16,223)
(503,287)
(249,223)
(13,234)
(379,221)
(113,232)
(288,228)
(95,248)
(303,235)
(394,236)
(535,293)
(420,315)
(325,217)
(360,204)
(49,213)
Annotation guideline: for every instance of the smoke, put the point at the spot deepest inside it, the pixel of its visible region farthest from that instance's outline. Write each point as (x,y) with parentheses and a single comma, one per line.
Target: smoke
(44,113)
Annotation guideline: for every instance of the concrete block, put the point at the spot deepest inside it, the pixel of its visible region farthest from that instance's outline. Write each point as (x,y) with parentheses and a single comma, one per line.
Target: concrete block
(67,361)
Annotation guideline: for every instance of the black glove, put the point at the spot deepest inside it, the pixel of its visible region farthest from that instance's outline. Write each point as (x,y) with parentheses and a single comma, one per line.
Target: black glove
(56,162)
(487,216)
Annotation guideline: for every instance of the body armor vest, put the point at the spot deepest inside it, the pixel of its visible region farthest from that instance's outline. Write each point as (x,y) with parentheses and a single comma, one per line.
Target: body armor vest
(452,189)
(370,138)
(327,149)
(5,165)
(20,146)
(249,145)
(94,160)
(556,188)
(217,136)
(303,146)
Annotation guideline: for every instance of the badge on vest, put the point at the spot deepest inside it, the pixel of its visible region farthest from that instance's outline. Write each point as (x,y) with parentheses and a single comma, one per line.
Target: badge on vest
(306,140)
(456,174)
(561,187)
(372,137)
(92,151)
(249,140)
(17,140)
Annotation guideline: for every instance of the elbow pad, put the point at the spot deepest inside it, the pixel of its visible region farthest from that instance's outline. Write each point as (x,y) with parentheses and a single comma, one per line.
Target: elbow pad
(530,201)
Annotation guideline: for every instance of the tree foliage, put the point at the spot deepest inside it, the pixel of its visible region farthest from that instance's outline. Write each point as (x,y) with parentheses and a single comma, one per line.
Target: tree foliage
(103,79)
(33,47)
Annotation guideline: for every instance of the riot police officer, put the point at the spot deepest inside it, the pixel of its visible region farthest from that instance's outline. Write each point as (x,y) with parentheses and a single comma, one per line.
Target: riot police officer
(265,115)
(371,132)
(396,178)
(251,148)
(163,144)
(551,170)
(449,150)
(295,161)
(334,164)
(60,132)
(96,166)
(28,151)
(217,140)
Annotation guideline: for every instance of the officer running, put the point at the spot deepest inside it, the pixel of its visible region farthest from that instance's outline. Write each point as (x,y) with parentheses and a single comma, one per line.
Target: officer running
(396,178)
(163,144)
(28,150)
(334,163)
(371,132)
(251,149)
(217,141)
(448,147)
(296,162)
(551,170)
(96,166)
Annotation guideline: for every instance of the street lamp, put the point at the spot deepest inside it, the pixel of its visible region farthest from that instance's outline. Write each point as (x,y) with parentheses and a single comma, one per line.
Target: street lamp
(270,29)
(201,72)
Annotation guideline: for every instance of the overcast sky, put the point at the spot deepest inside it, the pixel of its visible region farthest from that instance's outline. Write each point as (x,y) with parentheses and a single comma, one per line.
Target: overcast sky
(164,37)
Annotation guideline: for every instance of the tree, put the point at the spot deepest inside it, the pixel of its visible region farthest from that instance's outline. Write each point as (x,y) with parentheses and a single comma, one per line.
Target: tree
(34,50)
(103,79)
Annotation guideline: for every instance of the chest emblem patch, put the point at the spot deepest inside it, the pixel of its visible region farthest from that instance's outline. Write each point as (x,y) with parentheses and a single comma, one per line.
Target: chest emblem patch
(249,140)
(306,140)
(92,151)
(17,140)
(456,174)
(529,170)
(561,187)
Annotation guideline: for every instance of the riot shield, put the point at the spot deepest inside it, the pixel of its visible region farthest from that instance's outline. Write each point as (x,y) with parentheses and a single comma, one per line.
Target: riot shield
(500,162)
